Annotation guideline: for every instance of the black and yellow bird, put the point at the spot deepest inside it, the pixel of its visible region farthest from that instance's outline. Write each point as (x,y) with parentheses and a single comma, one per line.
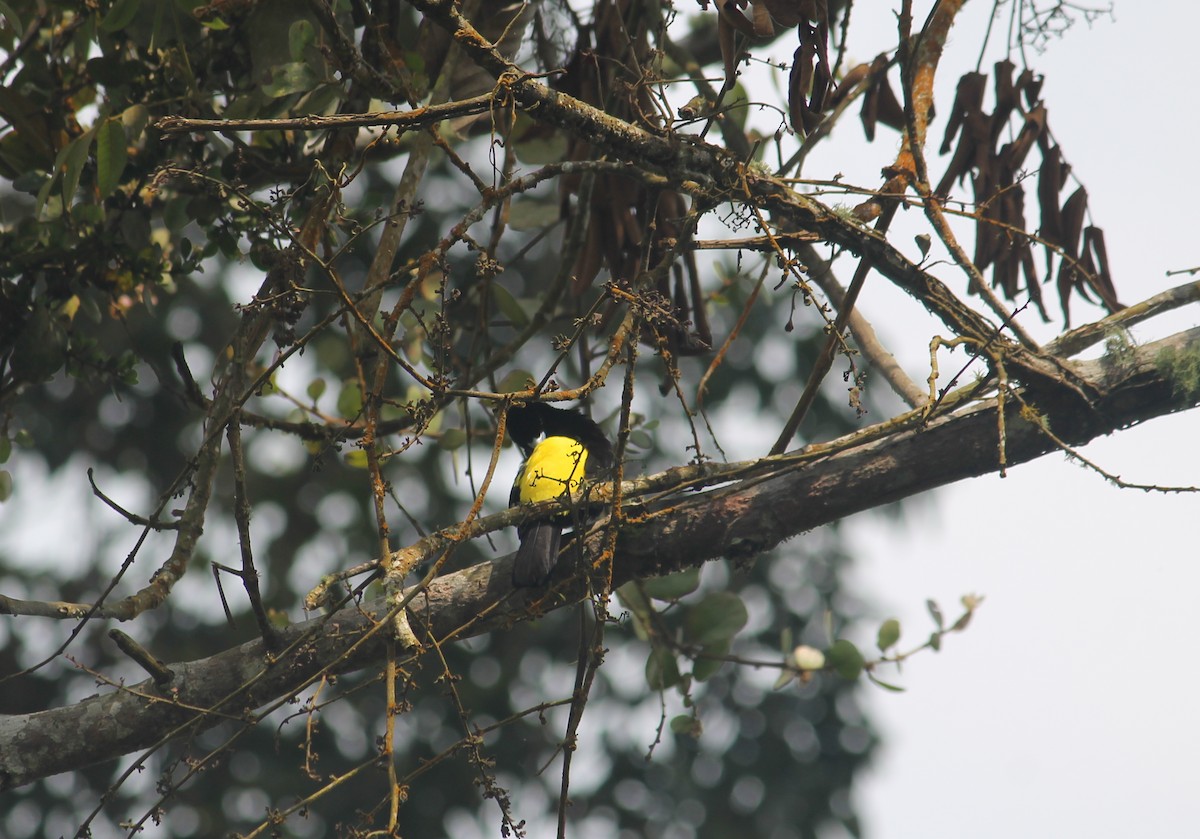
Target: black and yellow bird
(561,448)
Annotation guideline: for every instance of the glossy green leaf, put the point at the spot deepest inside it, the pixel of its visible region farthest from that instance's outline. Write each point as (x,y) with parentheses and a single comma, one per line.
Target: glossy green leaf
(715,619)
(673,586)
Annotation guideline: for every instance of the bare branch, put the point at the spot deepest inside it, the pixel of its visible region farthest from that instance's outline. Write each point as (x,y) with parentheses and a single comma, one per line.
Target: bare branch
(777,498)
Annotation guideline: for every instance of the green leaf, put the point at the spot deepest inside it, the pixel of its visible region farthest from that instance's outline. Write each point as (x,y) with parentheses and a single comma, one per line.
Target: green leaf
(631,597)
(707,665)
(516,380)
(73,163)
(715,619)
(30,182)
(639,608)
(889,634)
(935,612)
(686,725)
(5,449)
(90,308)
(641,440)
(662,671)
(736,104)
(111,155)
(290,77)
(48,207)
(533,213)
(970,602)
(537,143)
(509,307)
(14,21)
(356,459)
(452,438)
(785,640)
(673,586)
(120,15)
(6,485)
(786,677)
(316,388)
(40,348)
(68,163)
(923,240)
(301,36)
(135,118)
(883,684)
(350,400)
(845,659)
(88,214)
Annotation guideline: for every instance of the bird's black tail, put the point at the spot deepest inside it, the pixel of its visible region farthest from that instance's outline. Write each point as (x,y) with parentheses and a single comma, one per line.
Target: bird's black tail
(535,560)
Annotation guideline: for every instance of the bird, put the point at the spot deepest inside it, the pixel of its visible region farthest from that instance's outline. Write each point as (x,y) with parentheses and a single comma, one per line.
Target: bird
(561,448)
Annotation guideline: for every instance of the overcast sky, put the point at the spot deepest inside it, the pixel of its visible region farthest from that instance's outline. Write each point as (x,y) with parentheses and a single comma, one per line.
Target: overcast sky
(1068,707)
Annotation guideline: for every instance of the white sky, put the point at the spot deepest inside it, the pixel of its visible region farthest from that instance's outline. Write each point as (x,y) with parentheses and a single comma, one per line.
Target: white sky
(1068,707)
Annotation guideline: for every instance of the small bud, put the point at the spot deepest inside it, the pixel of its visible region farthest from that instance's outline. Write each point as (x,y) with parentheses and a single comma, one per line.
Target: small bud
(808,658)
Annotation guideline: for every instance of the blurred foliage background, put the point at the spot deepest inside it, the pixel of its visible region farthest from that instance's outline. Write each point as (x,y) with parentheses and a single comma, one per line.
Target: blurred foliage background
(130,256)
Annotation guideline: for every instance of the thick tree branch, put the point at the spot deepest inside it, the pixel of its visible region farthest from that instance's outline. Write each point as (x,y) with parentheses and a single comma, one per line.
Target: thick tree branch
(780,498)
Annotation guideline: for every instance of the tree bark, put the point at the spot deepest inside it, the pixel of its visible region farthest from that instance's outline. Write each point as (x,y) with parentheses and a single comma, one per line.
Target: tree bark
(764,503)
